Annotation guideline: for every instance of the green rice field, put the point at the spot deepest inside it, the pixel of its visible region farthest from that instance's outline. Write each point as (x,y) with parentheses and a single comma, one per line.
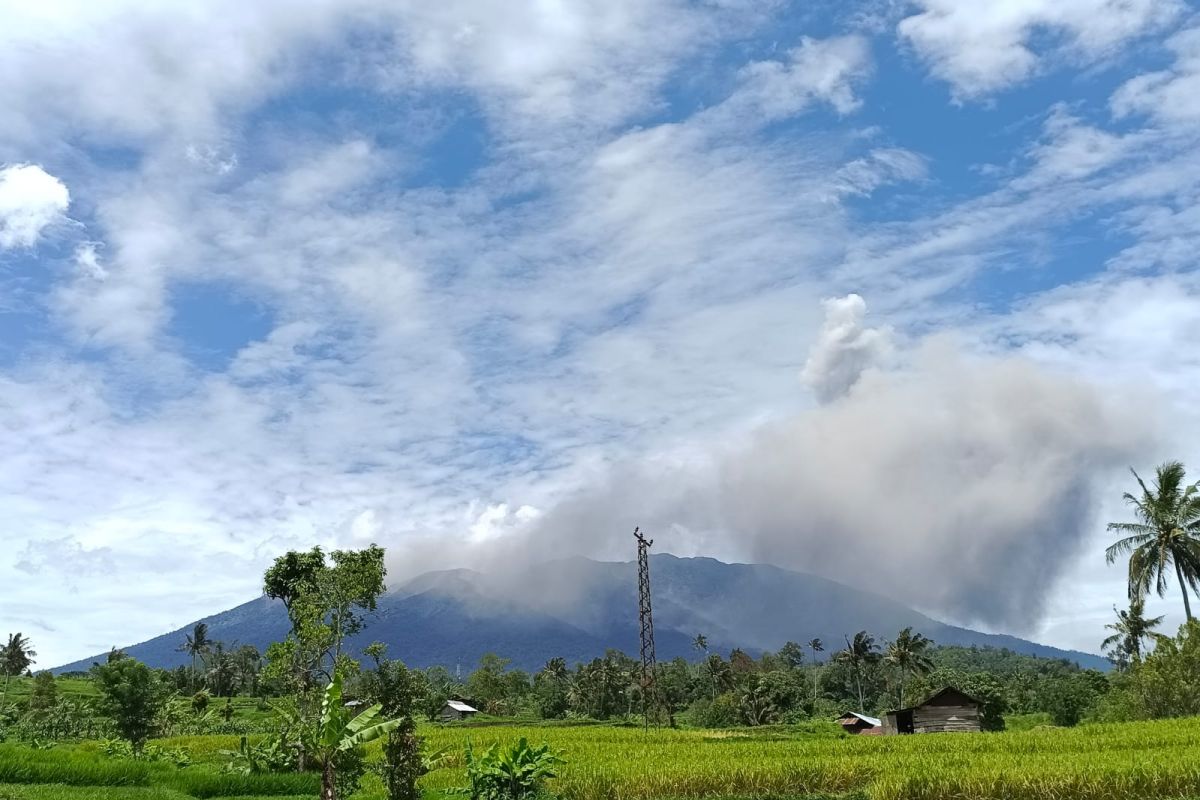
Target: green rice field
(1093,762)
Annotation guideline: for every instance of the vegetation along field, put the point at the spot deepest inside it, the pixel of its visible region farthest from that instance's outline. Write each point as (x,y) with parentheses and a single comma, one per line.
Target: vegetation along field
(308,718)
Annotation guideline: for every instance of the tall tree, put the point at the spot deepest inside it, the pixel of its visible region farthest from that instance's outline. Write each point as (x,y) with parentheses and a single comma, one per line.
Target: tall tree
(196,644)
(15,657)
(860,654)
(1129,631)
(908,655)
(792,655)
(326,603)
(817,646)
(221,672)
(1166,535)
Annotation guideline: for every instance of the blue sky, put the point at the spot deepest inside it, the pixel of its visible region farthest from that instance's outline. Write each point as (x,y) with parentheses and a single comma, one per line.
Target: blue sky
(779,281)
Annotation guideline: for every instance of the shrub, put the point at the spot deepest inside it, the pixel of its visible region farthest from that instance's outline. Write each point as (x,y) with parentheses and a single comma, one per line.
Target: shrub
(512,774)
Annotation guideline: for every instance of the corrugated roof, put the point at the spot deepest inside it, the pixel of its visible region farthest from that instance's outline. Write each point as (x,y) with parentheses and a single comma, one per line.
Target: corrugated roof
(869,720)
(458,705)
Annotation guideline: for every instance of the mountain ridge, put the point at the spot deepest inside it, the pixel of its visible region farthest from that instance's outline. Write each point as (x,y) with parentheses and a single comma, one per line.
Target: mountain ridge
(577,608)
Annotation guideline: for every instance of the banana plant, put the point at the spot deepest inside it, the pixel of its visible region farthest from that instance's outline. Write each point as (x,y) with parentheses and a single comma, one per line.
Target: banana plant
(337,732)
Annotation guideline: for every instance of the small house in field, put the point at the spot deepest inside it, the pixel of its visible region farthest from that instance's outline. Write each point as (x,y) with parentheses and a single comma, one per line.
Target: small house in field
(455,710)
(860,724)
(947,711)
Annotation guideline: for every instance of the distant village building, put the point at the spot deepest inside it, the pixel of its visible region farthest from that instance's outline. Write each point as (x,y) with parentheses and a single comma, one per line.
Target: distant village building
(456,710)
(947,711)
(860,724)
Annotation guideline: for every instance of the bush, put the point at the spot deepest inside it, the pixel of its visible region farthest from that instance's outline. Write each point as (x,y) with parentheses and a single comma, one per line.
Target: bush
(513,774)
(724,712)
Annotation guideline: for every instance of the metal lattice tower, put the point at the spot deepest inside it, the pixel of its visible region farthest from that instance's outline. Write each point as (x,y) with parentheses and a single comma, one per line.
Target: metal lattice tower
(646,618)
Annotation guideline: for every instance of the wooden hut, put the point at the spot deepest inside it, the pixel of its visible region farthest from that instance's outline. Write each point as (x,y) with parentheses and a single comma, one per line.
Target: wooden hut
(456,710)
(859,724)
(947,711)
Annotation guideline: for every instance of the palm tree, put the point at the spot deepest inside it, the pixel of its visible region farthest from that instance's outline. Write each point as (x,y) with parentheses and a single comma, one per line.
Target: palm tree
(196,644)
(817,646)
(1129,631)
(15,657)
(1166,535)
(248,664)
(858,655)
(222,671)
(700,643)
(907,655)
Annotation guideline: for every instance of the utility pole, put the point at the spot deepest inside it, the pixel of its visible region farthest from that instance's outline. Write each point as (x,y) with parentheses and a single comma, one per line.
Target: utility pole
(646,619)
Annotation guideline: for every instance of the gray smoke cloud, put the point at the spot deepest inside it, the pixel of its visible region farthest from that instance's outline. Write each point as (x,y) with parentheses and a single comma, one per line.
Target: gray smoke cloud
(959,484)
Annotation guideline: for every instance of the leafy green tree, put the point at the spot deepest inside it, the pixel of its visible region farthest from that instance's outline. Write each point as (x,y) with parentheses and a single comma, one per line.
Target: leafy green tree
(755,703)
(1165,684)
(1166,535)
(325,603)
(792,655)
(720,674)
(132,695)
(551,687)
(741,663)
(1131,629)
(488,685)
(439,684)
(908,655)
(1067,698)
(45,691)
(860,655)
(196,645)
(221,672)
(15,658)
(247,666)
(337,733)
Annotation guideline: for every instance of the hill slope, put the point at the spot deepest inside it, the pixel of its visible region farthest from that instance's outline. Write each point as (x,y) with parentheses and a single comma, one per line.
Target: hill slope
(577,608)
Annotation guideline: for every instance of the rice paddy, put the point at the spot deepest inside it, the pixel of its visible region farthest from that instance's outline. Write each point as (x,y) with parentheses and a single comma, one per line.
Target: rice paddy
(1092,762)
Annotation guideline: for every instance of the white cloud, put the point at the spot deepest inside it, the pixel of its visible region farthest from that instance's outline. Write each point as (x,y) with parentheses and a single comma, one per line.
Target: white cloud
(31,200)
(980,48)
(881,166)
(1170,96)
(816,71)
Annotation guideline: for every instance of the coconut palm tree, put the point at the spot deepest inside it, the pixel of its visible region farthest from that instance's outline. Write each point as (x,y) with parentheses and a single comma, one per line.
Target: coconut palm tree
(858,655)
(817,646)
(1166,535)
(907,654)
(196,644)
(1129,631)
(15,657)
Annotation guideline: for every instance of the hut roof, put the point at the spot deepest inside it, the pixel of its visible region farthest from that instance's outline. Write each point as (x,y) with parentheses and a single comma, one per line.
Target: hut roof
(940,693)
(872,721)
(458,705)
